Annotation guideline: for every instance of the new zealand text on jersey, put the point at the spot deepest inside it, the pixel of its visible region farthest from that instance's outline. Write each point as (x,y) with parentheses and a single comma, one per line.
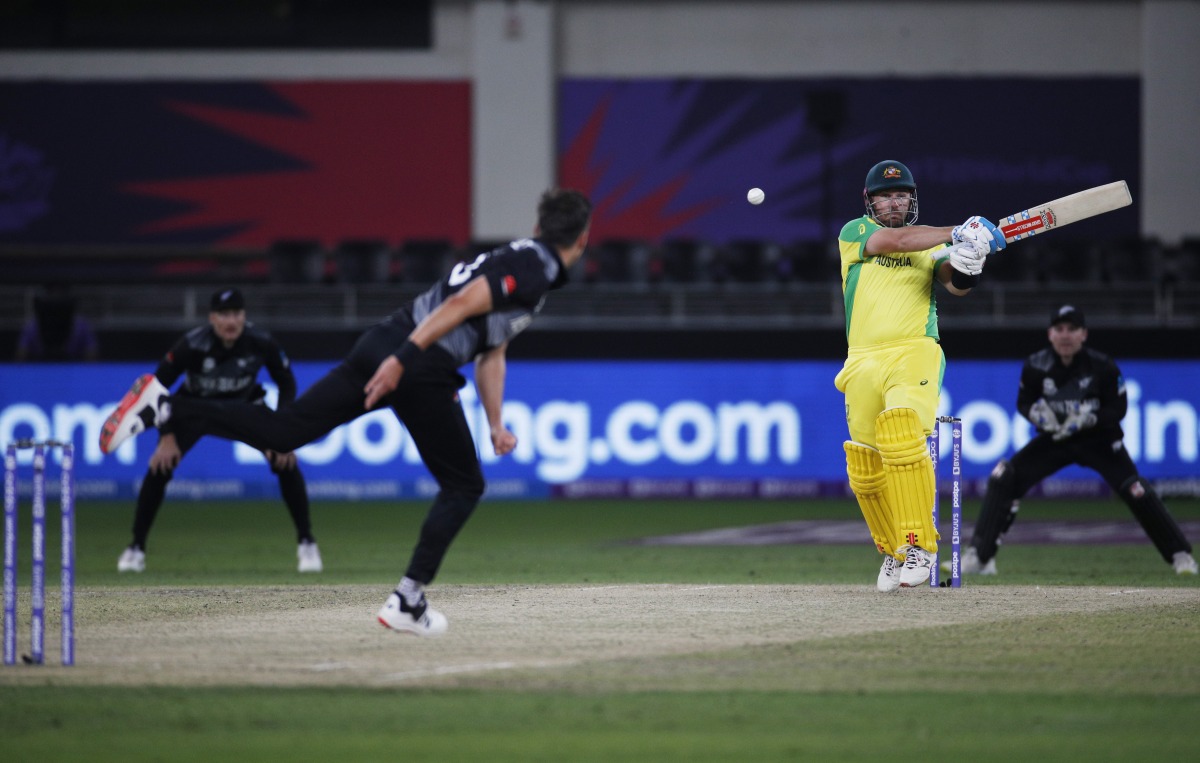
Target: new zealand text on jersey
(220,385)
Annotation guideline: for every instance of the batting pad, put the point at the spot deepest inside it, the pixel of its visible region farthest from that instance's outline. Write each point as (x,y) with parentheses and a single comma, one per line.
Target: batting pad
(908,476)
(864,467)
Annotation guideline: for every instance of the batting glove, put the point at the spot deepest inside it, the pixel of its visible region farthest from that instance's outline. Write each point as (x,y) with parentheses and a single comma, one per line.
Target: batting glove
(965,258)
(981,233)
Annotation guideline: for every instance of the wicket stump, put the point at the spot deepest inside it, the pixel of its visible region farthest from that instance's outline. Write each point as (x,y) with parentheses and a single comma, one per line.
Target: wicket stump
(38,589)
(956,488)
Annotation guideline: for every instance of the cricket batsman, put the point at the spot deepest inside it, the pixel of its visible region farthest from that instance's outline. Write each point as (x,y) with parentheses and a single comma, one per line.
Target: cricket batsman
(893,372)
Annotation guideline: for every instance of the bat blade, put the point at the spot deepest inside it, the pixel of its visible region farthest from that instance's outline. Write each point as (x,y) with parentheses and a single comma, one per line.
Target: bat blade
(1064,211)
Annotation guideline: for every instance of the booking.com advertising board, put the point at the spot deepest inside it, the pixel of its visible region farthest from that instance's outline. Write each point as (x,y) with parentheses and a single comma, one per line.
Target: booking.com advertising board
(611,429)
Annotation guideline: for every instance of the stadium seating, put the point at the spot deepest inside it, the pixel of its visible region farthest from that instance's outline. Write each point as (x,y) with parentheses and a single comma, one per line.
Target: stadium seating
(363,261)
(423,261)
(296,261)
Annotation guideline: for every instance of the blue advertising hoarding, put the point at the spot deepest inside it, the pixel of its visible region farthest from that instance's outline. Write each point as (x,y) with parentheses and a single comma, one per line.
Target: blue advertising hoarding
(610,428)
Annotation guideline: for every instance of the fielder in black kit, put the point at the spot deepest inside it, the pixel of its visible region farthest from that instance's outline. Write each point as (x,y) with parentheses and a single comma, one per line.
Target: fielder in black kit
(410,363)
(1075,397)
(221,360)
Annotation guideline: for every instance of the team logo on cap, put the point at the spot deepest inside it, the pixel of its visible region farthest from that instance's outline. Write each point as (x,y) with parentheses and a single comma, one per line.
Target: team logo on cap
(891,173)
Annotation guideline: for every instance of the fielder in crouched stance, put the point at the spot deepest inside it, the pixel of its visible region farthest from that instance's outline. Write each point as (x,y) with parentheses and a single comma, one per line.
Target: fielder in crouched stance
(893,372)
(222,360)
(1075,397)
(410,363)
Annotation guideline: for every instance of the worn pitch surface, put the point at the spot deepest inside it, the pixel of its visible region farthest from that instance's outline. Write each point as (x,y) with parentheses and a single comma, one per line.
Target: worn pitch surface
(520,635)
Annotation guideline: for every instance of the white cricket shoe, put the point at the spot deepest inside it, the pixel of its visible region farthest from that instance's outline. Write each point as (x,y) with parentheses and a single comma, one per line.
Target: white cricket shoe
(309,557)
(137,412)
(1184,564)
(889,575)
(918,564)
(420,620)
(133,559)
(968,564)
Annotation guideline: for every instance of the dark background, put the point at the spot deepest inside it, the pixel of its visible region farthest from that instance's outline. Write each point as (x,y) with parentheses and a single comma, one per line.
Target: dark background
(760,344)
(215,24)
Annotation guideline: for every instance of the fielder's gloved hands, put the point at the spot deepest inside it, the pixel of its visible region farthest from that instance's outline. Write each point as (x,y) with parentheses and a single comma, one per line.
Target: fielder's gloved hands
(964,258)
(1042,417)
(1079,417)
(981,233)
(1075,423)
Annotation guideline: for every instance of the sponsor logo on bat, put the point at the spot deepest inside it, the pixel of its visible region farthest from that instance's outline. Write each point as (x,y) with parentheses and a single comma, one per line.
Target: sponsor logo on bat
(1022,227)
(1045,219)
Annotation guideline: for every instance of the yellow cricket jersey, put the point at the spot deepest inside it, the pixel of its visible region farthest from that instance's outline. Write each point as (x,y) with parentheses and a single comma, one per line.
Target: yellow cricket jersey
(888,297)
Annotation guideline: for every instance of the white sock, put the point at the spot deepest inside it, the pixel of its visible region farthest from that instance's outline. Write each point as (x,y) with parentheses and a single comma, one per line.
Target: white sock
(410,590)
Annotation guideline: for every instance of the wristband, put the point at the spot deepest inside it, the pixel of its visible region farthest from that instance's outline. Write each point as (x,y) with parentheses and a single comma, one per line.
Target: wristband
(408,354)
(963,281)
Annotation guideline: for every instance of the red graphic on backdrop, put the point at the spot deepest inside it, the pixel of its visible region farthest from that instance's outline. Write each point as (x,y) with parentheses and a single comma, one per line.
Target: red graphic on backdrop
(378,160)
(645,218)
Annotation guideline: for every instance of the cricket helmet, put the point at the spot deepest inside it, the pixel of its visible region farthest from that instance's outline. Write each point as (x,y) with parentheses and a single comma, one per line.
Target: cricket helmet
(885,176)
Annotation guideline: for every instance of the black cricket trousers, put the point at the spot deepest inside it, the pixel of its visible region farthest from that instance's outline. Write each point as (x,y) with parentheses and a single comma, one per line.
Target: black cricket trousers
(1043,456)
(426,401)
(154,490)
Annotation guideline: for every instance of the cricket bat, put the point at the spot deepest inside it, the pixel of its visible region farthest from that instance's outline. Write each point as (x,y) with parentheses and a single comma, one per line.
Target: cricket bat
(1064,211)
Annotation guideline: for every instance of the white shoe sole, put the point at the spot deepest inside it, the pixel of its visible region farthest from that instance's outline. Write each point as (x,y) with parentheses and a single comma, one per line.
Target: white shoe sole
(430,625)
(309,561)
(131,564)
(126,420)
(919,575)
(888,583)
(987,569)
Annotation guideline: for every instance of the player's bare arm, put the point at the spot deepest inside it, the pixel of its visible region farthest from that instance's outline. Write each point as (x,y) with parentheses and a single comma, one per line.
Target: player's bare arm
(491,369)
(911,238)
(282,462)
(474,299)
(945,273)
(167,455)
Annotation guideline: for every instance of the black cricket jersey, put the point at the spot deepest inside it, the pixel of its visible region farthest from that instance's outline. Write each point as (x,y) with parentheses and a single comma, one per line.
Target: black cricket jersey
(519,274)
(231,373)
(1093,381)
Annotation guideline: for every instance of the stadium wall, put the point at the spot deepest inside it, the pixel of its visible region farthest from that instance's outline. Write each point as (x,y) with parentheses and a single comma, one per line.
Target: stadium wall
(474,42)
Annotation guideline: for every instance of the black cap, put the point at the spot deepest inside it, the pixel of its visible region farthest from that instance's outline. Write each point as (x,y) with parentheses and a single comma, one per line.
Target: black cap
(1067,314)
(226,299)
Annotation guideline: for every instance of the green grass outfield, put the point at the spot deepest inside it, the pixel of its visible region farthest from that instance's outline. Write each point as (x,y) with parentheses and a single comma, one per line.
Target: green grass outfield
(1061,687)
